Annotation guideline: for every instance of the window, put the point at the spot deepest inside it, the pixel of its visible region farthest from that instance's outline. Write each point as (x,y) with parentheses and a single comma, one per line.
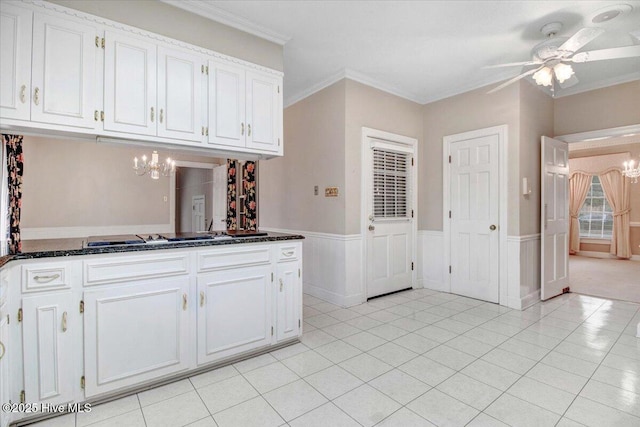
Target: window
(390,184)
(596,216)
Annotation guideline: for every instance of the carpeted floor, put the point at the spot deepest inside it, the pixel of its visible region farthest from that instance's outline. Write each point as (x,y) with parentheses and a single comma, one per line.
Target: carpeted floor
(607,278)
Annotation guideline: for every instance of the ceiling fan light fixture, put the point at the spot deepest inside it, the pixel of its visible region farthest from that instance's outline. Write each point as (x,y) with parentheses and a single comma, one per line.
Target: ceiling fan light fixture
(543,76)
(563,72)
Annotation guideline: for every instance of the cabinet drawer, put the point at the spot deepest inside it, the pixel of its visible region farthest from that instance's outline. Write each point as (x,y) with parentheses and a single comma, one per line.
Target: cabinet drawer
(46,276)
(233,257)
(288,252)
(127,268)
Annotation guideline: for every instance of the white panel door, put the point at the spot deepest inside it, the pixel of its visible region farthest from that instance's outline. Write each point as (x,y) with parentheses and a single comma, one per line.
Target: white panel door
(129,84)
(474,200)
(263,108)
(555,218)
(15,66)
(135,333)
(390,237)
(4,370)
(179,95)
(234,312)
(197,213)
(220,197)
(227,124)
(64,77)
(288,297)
(50,324)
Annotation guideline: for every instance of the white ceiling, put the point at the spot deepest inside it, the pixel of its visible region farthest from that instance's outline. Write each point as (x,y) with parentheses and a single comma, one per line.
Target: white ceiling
(421,50)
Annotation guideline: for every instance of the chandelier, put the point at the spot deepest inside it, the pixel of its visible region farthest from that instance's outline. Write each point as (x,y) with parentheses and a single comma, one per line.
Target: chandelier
(631,171)
(544,76)
(153,167)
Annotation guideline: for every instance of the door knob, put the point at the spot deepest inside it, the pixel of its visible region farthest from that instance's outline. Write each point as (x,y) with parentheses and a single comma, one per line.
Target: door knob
(372,227)
(492,227)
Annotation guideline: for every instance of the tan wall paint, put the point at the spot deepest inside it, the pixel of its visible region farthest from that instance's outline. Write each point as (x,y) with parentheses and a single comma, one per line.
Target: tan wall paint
(169,21)
(314,130)
(71,183)
(605,108)
(373,108)
(536,120)
(462,113)
(634,215)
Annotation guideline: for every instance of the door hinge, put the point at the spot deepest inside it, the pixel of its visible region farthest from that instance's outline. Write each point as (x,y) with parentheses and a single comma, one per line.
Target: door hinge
(202,69)
(299,323)
(82,382)
(23,397)
(272,277)
(412,161)
(206,70)
(278,88)
(411,265)
(278,142)
(102,116)
(8,320)
(81,306)
(411,213)
(206,131)
(449,214)
(272,331)
(19,315)
(449,269)
(102,43)
(97,41)
(299,274)
(449,159)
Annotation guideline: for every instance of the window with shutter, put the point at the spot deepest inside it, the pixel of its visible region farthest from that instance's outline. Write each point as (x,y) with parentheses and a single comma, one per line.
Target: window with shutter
(391,184)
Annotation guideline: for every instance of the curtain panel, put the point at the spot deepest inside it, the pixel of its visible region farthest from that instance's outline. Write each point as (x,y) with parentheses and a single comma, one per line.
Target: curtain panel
(617,190)
(15,168)
(232,191)
(579,184)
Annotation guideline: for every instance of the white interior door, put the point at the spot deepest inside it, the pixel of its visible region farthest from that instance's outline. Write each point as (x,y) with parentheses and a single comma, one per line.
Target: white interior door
(390,232)
(220,198)
(197,213)
(474,201)
(555,218)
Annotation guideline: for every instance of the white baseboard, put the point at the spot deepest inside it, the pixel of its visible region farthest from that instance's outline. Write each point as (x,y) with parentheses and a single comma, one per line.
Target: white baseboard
(79,232)
(603,255)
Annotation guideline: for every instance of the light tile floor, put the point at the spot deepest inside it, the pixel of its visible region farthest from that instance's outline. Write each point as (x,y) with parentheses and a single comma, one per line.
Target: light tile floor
(418,358)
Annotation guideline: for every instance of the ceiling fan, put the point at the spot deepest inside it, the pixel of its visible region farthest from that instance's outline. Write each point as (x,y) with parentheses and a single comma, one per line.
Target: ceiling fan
(553,57)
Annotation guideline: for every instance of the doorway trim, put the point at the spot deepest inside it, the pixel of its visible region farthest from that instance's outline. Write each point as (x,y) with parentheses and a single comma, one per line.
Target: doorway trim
(502,132)
(365,184)
(172,185)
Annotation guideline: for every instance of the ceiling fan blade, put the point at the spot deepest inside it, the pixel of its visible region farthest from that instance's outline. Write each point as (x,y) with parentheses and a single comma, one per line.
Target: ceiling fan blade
(613,53)
(571,81)
(515,79)
(581,38)
(513,64)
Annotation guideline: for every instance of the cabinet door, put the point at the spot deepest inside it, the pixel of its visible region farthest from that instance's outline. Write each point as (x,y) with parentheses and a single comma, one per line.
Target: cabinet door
(48,329)
(15,66)
(234,312)
(263,112)
(134,333)
(179,95)
(4,369)
(129,84)
(64,79)
(227,124)
(288,297)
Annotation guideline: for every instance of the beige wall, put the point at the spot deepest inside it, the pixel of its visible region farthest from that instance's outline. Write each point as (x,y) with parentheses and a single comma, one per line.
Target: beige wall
(73,183)
(161,18)
(634,215)
(466,112)
(314,154)
(369,107)
(605,108)
(536,120)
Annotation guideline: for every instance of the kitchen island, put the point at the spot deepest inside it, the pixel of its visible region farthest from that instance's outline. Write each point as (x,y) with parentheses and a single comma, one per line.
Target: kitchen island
(91,323)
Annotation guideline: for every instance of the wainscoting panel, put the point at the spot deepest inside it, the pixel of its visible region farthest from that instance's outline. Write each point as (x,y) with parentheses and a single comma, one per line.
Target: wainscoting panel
(523,288)
(431,260)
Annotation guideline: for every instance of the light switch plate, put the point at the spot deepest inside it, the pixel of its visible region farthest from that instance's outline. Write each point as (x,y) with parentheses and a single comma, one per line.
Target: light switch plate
(331,192)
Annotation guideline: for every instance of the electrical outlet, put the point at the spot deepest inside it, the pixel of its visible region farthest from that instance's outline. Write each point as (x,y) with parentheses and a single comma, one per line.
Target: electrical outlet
(315,190)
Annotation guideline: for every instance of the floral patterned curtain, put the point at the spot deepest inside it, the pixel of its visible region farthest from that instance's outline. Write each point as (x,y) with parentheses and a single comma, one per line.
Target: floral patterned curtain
(246,201)
(249,184)
(232,217)
(15,167)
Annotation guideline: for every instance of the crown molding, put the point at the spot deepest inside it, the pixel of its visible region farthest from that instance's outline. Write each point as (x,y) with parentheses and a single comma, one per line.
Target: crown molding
(600,136)
(586,87)
(380,85)
(217,14)
(316,87)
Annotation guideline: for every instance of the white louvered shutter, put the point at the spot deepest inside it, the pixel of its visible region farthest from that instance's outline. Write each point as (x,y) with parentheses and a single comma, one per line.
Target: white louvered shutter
(391,184)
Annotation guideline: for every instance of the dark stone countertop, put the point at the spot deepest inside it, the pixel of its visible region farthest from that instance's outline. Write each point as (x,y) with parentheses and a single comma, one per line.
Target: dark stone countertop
(33,249)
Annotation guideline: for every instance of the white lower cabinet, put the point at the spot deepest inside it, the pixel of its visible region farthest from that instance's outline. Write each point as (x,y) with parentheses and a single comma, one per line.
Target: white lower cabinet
(288,300)
(234,312)
(4,369)
(51,332)
(135,332)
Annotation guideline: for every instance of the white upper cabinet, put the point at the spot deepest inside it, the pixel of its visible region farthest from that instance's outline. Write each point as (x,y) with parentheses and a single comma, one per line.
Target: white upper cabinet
(244,108)
(179,95)
(129,84)
(15,66)
(63,78)
(226,104)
